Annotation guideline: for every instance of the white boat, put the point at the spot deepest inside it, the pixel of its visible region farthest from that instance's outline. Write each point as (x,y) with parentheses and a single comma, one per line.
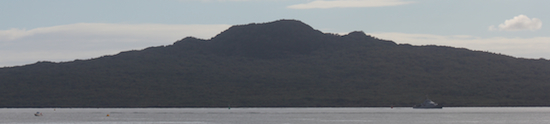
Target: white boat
(428,104)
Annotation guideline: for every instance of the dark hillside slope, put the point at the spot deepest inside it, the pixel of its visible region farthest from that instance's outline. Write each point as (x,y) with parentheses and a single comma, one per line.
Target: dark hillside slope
(280,64)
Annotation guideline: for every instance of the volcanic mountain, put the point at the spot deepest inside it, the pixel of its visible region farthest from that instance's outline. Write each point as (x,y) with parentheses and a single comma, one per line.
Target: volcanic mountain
(284,63)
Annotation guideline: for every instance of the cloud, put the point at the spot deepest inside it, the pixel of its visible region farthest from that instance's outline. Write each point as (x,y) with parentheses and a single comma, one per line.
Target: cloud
(518,23)
(91,40)
(536,47)
(322,4)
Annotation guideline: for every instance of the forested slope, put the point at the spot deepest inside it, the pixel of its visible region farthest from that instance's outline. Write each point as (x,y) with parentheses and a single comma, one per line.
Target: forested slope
(284,63)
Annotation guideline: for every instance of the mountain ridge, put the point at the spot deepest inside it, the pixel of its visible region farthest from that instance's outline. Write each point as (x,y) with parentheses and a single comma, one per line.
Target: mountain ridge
(284,63)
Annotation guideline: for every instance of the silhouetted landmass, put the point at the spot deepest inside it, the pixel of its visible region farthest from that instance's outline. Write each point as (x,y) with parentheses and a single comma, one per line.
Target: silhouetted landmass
(284,63)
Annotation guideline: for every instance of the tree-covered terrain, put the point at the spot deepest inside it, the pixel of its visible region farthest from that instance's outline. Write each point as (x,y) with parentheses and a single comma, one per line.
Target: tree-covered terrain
(284,63)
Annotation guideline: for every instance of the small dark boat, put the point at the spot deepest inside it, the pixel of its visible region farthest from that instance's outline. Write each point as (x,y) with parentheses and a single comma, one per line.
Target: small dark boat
(37,114)
(428,104)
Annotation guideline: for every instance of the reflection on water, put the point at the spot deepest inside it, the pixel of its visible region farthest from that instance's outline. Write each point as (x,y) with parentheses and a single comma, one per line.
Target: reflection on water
(469,115)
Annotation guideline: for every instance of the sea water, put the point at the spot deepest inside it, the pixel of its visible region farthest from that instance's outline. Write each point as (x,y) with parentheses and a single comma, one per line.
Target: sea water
(447,115)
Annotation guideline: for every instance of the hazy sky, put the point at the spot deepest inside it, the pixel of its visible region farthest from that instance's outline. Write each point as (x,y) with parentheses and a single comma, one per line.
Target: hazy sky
(65,30)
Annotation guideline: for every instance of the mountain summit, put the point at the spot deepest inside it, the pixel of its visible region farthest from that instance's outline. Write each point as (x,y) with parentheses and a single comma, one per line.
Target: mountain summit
(279,39)
(284,63)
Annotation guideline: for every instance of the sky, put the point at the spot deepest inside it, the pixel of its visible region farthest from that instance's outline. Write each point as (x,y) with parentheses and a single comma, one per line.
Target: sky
(67,30)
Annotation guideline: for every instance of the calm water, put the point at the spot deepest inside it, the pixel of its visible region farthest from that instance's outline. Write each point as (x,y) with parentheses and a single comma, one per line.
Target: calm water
(528,115)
